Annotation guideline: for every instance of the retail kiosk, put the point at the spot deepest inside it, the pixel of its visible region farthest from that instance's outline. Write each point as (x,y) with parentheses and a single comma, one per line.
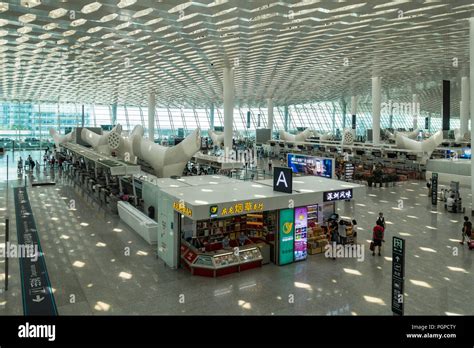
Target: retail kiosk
(260,224)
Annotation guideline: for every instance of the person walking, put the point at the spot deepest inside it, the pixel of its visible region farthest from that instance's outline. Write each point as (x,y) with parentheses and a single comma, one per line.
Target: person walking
(466,230)
(381,220)
(378,238)
(20,166)
(334,237)
(342,232)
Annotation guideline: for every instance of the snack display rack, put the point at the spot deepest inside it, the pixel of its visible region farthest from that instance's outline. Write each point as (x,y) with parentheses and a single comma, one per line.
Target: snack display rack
(317,239)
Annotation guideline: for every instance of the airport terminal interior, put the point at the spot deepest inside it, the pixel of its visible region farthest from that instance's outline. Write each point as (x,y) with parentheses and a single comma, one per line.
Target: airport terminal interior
(233,157)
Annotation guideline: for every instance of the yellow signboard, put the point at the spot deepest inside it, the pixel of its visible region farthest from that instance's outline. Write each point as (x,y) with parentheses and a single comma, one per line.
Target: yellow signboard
(242,208)
(181,207)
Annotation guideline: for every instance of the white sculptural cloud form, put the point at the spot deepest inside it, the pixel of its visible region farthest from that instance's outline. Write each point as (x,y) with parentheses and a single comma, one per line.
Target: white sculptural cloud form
(425,147)
(167,161)
(461,137)
(99,142)
(216,137)
(123,146)
(298,137)
(409,135)
(61,139)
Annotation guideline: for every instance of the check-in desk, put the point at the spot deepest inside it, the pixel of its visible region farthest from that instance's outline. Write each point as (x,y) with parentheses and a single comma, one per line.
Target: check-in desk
(147,228)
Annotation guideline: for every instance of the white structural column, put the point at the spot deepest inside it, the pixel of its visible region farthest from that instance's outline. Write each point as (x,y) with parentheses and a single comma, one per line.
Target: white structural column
(151,116)
(415,110)
(464,105)
(270,114)
(353,113)
(228,85)
(353,105)
(471,101)
(376,106)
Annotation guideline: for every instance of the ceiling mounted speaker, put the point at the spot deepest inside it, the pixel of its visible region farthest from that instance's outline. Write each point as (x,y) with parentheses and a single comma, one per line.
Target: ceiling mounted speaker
(114,140)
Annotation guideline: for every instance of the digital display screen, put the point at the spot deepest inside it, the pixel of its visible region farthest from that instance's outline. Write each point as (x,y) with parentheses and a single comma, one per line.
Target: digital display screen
(310,165)
(466,152)
(301,238)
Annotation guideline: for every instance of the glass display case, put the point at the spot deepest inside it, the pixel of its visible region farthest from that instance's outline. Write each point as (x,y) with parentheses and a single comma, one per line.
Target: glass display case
(250,255)
(214,264)
(204,260)
(224,260)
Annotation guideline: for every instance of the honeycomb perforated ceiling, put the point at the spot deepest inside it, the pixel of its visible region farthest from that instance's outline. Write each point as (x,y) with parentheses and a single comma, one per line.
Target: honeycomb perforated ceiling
(293,51)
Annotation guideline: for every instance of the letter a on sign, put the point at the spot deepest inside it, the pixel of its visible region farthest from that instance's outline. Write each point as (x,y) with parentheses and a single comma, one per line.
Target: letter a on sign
(283,179)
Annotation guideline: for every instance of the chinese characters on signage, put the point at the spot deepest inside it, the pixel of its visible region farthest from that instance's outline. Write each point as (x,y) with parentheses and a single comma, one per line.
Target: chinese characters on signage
(434,188)
(181,207)
(337,195)
(349,171)
(242,208)
(398,274)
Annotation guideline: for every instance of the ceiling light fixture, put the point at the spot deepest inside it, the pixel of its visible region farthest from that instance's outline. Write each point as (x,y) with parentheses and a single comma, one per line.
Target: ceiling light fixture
(78,22)
(92,7)
(125,3)
(57,13)
(27,18)
(109,17)
(142,13)
(30,3)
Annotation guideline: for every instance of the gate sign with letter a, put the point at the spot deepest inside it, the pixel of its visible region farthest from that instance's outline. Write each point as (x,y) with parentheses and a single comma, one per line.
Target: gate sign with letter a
(283,179)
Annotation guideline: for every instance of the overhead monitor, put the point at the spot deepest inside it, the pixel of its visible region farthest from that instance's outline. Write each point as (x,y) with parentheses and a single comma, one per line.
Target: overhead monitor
(310,165)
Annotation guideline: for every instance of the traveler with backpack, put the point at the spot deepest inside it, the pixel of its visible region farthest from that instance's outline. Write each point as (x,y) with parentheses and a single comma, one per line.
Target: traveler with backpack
(466,230)
(377,238)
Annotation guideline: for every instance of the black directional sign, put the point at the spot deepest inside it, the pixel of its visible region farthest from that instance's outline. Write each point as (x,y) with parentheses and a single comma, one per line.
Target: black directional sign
(37,293)
(434,188)
(282,179)
(398,275)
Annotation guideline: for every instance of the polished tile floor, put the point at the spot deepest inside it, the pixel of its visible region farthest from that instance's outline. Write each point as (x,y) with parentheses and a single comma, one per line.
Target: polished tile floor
(97,265)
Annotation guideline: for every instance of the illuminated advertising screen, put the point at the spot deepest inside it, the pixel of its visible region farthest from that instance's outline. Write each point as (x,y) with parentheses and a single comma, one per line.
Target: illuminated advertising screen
(310,165)
(286,238)
(301,238)
(466,152)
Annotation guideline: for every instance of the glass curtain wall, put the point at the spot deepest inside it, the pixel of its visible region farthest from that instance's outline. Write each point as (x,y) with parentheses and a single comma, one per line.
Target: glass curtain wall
(20,120)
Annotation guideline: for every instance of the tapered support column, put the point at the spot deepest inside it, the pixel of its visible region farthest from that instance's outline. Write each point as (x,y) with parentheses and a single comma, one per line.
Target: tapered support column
(354,111)
(211,117)
(287,118)
(464,105)
(446,104)
(228,85)
(376,106)
(270,114)
(415,111)
(151,116)
(114,114)
(471,100)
